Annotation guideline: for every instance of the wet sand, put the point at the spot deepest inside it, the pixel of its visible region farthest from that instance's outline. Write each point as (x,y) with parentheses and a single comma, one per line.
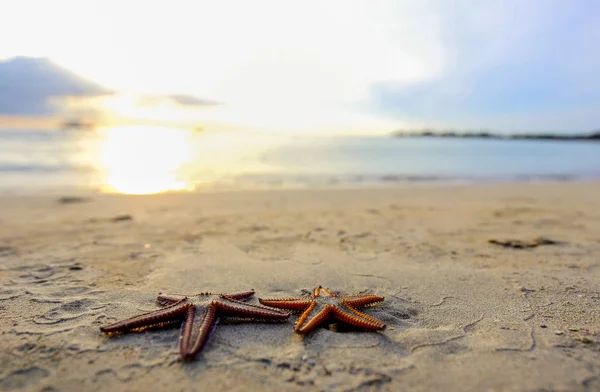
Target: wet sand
(465,310)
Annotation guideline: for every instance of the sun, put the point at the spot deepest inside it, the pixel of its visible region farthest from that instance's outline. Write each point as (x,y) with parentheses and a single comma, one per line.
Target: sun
(143,159)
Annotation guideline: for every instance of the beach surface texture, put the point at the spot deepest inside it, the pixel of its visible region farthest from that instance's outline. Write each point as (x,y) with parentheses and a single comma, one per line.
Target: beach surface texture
(487,287)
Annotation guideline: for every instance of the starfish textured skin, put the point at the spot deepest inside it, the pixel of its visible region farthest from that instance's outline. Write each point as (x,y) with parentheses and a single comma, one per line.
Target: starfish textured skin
(316,308)
(199,314)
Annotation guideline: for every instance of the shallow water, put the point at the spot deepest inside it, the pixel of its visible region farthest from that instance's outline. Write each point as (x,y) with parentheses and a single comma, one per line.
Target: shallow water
(150,159)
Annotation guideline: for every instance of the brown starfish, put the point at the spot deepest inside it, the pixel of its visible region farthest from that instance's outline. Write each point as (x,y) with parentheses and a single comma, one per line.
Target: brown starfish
(317,308)
(199,313)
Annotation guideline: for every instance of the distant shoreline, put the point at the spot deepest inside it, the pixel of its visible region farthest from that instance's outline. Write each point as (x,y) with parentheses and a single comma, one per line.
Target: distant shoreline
(594,136)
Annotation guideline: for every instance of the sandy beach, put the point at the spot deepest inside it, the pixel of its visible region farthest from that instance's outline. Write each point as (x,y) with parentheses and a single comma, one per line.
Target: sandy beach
(462,313)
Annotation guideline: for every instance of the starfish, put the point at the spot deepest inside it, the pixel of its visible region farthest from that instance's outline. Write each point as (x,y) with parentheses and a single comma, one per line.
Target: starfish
(317,308)
(199,314)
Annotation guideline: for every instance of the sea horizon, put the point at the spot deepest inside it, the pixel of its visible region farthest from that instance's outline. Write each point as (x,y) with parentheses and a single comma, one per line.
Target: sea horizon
(142,160)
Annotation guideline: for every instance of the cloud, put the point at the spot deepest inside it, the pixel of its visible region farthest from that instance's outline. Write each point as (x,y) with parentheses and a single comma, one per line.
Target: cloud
(182,101)
(31,86)
(514,65)
(134,108)
(36,87)
(310,60)
(500,64)
(190,100)
(267,50)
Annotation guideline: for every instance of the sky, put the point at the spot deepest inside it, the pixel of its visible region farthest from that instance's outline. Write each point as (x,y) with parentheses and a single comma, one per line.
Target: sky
(321,66)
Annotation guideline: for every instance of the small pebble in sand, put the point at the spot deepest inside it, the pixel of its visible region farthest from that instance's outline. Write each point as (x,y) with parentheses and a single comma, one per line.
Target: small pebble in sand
(520,244)
(72,200)
(7,250)
(585,340)
(120,218)
(559,332)
(543,326)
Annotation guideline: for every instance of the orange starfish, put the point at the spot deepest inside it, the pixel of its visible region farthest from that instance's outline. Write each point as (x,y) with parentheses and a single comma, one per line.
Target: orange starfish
(199,313)
(317,308)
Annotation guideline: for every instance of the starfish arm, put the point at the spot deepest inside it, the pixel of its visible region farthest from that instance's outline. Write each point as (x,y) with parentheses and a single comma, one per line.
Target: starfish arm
(327,292)
(195,330)
(286,303)
(312,317)
(363,300)
(167,299)
(241,295)
(232,307)
(354,295)
(168,314)
(352,316)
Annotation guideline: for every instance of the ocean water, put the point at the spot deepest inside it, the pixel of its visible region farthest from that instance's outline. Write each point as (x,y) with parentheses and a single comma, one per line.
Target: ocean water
(150,159)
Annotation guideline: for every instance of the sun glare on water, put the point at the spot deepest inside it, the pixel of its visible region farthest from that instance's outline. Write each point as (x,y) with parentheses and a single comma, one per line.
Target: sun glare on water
(143,160)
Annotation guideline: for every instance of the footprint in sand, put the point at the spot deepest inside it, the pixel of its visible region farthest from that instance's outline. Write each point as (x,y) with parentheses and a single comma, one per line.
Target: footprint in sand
(23,378)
